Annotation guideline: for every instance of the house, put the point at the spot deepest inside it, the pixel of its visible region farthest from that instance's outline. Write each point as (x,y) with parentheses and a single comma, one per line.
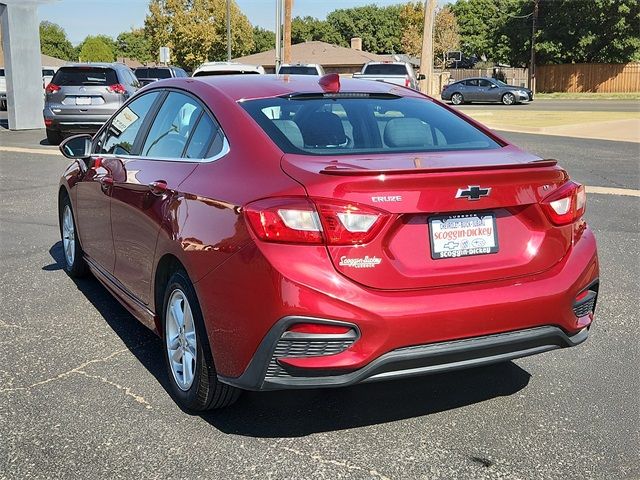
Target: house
(333,58)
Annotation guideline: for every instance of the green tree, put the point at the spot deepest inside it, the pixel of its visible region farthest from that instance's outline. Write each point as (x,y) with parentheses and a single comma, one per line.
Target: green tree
(54,42)
(195,30)
(445,31)
(263,40)
(95,49)
(477,22)
(134,44)
(307,29)
(379,27)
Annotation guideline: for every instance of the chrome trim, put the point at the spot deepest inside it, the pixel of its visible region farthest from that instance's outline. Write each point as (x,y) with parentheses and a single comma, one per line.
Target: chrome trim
(226,148)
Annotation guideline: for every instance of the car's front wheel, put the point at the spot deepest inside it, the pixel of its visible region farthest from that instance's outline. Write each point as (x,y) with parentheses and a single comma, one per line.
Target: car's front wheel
(508,98)
(74,262)
(192,374)
(457,99)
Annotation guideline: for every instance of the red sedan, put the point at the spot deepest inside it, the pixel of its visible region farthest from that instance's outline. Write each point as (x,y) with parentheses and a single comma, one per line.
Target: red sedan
(290,232)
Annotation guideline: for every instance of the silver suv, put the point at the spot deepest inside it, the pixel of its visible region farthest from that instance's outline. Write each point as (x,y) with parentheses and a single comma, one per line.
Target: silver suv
(81,97)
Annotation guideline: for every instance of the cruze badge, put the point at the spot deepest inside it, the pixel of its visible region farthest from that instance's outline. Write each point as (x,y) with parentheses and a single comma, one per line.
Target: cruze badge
(473,192)
(386,198)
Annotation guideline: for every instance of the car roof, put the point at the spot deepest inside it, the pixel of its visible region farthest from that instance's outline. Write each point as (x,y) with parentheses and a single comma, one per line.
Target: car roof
(246,87)
(95,64)
(226,65)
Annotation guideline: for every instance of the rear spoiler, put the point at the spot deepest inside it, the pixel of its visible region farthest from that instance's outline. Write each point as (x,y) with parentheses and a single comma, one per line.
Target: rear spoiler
(353,170)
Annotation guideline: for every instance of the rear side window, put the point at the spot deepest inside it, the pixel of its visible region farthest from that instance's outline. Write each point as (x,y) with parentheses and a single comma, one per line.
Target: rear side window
(47,73)
(359,124)
(471,83)
(78,76)
(172,126)
(141,72)
(206,140)
(125,125)
(385,69)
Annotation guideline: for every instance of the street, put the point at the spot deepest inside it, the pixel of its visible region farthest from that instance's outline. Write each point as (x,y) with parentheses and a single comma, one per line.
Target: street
(83,389)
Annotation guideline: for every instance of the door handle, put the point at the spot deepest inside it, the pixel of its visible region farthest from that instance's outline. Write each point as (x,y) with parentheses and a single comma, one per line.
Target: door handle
(159,187)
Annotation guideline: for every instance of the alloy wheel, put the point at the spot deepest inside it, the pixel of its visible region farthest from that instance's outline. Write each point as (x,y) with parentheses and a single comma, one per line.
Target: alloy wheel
(456,99)
(180,339)
(508,99)
(68,236)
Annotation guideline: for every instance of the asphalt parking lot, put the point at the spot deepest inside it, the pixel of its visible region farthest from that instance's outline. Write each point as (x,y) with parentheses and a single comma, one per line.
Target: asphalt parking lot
(83,392)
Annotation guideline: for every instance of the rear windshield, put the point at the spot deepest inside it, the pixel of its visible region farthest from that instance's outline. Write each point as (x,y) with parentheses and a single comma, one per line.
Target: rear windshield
(76,76)
(153,73)
(1,72)
(385,69)
(346,125)
(298,71)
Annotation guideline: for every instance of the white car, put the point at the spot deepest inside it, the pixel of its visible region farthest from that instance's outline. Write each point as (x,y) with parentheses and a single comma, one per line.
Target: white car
(3,90)
(227,68)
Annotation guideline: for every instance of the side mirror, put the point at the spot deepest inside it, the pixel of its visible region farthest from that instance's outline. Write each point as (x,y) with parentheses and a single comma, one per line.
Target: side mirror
(493,85)
(422,76)
(77,147)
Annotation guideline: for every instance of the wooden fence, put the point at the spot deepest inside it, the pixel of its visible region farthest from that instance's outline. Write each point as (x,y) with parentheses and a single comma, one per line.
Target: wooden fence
(513,76)
(589,77)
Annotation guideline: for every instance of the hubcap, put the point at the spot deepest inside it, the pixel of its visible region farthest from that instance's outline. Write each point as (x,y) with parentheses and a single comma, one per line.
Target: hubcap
(508,99)
(180,339)
(457,99)
(68,235)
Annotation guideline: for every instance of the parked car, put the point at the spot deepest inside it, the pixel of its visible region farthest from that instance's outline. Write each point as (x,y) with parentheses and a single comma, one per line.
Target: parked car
(227,68)
(399,73)
(301,69)
(81,97)
(3,90)
(147,75)
(485,90)
(356,233)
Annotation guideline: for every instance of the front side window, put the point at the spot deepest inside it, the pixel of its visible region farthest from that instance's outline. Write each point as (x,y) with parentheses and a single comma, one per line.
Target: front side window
(471,83)
(121,134)
(485,83)
(362,124)
(172,126)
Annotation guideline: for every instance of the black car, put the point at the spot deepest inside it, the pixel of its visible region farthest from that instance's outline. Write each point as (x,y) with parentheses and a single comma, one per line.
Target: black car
(485,90)
(147,75)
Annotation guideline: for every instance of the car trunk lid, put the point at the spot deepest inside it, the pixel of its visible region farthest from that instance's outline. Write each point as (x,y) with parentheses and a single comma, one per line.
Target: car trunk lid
(433,210)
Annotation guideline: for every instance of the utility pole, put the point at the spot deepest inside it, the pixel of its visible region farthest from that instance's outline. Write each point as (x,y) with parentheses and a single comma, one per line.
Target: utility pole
(288,5)
(228,30)
(532,62)
(278,34)
(426,57)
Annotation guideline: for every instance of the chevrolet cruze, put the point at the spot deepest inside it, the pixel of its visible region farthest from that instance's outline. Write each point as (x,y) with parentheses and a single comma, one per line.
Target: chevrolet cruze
(303,232)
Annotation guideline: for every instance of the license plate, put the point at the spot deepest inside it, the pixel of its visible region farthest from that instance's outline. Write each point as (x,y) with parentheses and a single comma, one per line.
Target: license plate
(463,235)
(83,100)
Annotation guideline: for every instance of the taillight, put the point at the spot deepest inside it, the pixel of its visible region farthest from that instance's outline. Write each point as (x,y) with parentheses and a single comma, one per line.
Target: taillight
(117,88)
(52,88)
(567,204)
(298,220)
(407,82)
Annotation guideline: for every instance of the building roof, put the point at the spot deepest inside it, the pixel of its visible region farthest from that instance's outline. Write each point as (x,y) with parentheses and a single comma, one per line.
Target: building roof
(321,53)
(45,60)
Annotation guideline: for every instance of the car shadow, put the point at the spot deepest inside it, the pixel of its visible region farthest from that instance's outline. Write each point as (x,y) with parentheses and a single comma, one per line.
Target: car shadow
(296,413)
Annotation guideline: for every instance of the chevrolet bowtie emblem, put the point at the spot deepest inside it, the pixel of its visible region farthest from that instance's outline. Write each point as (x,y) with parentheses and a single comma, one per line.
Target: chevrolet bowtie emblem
(473,192)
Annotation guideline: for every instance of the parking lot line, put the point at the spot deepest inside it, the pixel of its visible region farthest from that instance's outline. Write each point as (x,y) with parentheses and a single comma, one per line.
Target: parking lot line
(628,192)
(41,151)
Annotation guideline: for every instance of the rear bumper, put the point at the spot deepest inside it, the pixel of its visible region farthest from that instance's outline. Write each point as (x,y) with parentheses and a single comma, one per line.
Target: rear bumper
(408,361)
(75,123)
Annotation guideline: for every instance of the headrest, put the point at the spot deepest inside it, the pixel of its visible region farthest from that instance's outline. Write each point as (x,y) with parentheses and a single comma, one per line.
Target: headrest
(407,132)
(323,129)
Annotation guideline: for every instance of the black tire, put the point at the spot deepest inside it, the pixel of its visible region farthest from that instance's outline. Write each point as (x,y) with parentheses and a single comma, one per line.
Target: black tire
(457,98)
(205,391)
(54,137)
(509,99)
(74,263)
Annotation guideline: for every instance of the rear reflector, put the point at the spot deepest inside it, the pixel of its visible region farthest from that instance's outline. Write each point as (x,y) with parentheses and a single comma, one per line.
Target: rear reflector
(48,122)
(319,329)
(565,205)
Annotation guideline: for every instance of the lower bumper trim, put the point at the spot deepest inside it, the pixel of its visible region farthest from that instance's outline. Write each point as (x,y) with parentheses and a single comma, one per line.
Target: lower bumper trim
(431,358)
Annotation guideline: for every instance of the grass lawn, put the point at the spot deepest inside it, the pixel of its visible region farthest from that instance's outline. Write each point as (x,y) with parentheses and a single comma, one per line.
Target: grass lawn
(536,119)
(588,96)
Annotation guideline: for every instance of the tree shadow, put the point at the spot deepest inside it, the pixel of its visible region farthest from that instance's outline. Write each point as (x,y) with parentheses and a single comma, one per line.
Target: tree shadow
(295,413)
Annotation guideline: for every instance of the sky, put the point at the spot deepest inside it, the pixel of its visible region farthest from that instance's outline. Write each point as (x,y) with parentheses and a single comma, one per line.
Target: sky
(80,18)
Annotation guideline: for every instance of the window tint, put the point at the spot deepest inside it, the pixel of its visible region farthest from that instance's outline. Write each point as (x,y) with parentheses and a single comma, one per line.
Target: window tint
(159,73)
(77,76)
(471,83)
(180,73)
(295,70)
(385,69)
(485,83)
(1,72)
(121,133)
(206,140)
(171,128)
(141,72)
(46,72)
(364,125)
